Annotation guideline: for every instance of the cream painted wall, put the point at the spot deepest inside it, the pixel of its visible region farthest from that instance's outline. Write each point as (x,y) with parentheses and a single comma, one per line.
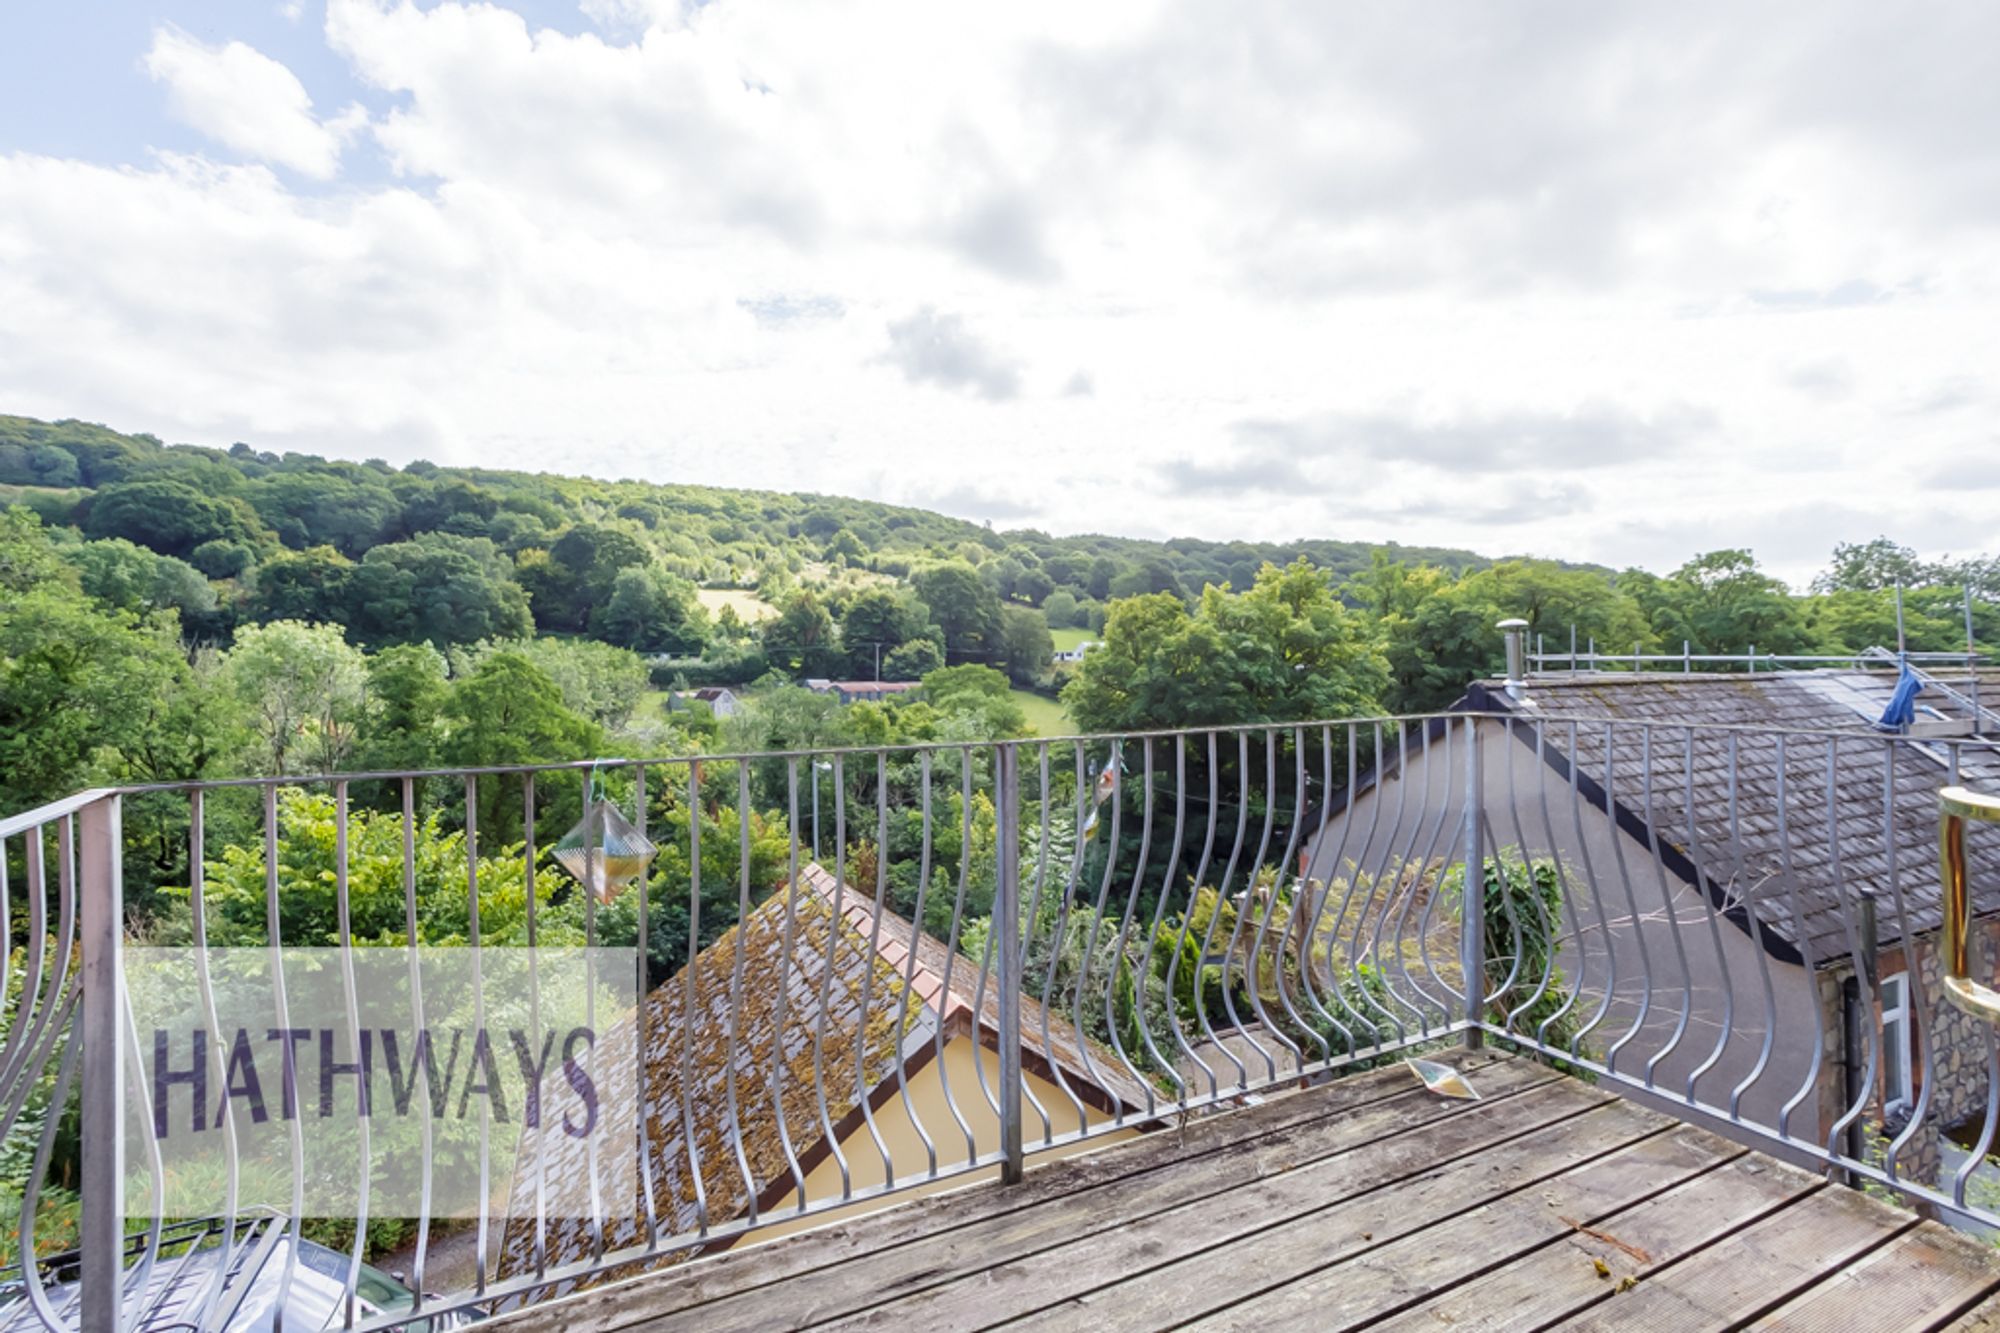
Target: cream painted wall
(957,1069)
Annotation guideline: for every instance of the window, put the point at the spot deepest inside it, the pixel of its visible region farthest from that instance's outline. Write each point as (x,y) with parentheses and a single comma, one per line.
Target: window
(1896,1024)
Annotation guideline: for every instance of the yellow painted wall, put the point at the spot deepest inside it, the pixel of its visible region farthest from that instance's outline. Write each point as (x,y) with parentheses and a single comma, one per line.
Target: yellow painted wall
(959,1067)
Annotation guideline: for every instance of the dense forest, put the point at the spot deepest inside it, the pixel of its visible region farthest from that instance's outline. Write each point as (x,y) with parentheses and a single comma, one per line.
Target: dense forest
(177,612)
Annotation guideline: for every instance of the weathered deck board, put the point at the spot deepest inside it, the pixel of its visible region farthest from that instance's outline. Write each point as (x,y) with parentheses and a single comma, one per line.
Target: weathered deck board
(1364,1203)
(1381,1281)
(1338,1201)
(1903,1286)
(1319,1162)
(1582,1268)
(1118,1183)
(1759,1268)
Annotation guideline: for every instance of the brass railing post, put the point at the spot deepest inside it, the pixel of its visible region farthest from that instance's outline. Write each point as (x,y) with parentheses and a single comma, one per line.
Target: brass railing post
(1955,806)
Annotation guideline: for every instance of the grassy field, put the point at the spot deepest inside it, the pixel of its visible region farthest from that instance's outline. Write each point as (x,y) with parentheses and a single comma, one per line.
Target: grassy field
(1045,715)
(1067,639)
(750,608)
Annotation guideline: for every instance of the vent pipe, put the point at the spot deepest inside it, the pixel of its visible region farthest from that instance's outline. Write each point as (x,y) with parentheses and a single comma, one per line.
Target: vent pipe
(1516,632)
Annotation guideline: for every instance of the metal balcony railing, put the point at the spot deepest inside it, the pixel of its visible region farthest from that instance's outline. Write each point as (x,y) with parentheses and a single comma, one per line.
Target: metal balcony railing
(999,950)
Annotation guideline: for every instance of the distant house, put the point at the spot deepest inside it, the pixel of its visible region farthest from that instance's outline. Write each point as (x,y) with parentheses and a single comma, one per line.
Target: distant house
(721,700)
(1076,654)
(857,691)
(824,1034)
(1740,894)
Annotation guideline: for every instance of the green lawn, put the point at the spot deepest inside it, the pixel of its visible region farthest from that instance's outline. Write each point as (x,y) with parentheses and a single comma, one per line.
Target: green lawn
(1067,639)
(1046,717)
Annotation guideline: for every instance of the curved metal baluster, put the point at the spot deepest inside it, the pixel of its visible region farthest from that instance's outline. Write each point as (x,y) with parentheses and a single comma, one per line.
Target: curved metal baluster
(1578,936)
(1919,1020)
(1394,872)
(1631,899)
(986,953)
(420,1071)
(198,919)
(1358,882)
(1160,1060)
(1187,921)
(734,1046)
(1754,915)
(910,961)
(346,932)
(1271,903)
(483,1240)
(1236,927)
(1209,933)
(1668,905)
(1547,928)
(1117,801)
(643,1008)
(296,1134)
(951,947)
(1027,928)
(1856,954)
(1417,870)
(1061,935)
(1320,890)
(1694,848)
(1295,915)
(1977,1156)
(1604,925)
(1277,893)
(31,1192)
(1804,941)
(784,993)
(1118,949)
(690,975)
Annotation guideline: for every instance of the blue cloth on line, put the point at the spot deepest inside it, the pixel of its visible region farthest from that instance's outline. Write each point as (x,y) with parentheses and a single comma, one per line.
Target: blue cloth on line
(1902,709)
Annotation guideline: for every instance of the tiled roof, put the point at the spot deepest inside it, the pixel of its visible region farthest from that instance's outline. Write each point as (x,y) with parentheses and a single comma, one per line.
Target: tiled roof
(1859,813)
(810,991)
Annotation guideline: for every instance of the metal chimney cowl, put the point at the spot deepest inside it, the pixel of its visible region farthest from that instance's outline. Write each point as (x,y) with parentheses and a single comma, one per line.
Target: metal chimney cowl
(1516,631)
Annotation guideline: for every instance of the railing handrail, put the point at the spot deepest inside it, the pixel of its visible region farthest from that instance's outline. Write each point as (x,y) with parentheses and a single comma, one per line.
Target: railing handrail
(41,815)
(1387,721)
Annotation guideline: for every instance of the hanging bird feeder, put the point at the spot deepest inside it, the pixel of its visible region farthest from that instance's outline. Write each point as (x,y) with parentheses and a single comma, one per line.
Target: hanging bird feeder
(604,851)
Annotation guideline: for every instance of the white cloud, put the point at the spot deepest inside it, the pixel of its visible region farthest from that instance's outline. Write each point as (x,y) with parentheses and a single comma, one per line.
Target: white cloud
(246,101)
(1328,274)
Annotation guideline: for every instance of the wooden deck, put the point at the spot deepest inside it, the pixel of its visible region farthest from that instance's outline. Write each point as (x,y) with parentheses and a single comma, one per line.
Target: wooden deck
(1367,1203)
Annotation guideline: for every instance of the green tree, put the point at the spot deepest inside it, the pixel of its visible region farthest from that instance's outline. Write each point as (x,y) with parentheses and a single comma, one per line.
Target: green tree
(302,585)
(407,689)
(1059,609)
(322,507)
(979,697)
(1552,599)
(1286,650)
(651,611)
(1026,646)
(301,687)
(964,606)
(221,559)
(169,516)
(508,711)
(800,637)
(1443,641)
(132,578)
(912,661)
(879,620)
(439,588)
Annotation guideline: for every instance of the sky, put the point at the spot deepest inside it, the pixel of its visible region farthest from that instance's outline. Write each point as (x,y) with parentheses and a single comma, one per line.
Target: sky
(1617,282)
